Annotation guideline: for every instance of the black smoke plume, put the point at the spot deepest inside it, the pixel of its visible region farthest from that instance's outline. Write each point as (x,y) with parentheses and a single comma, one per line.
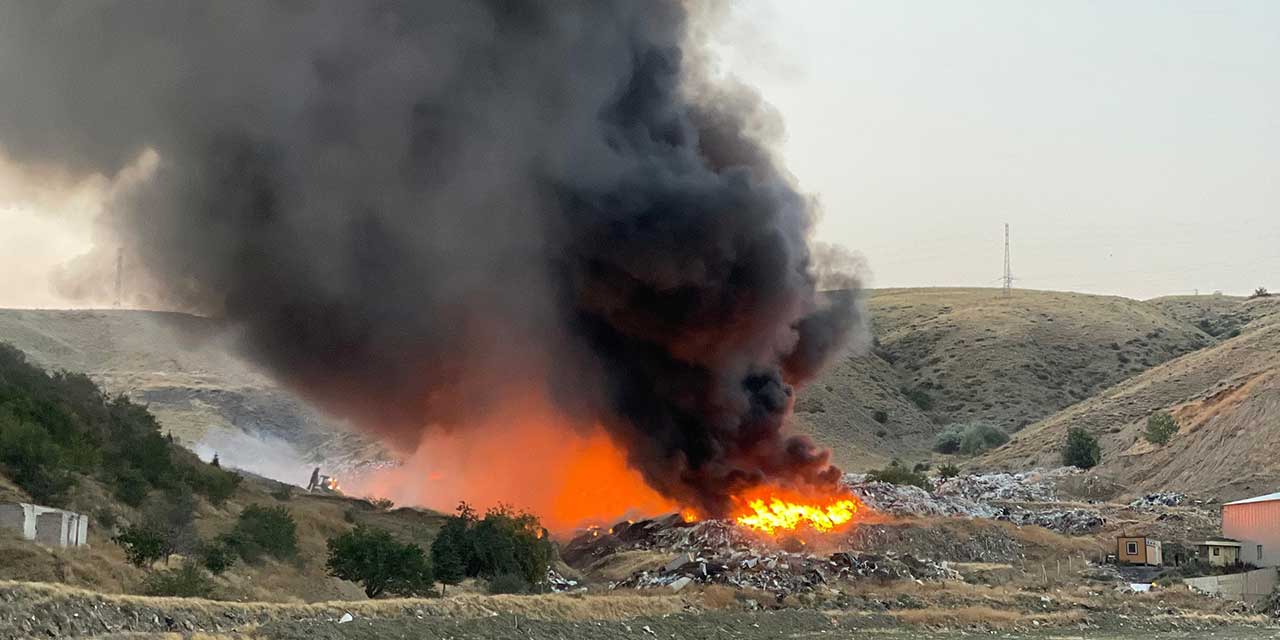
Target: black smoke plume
(411,209)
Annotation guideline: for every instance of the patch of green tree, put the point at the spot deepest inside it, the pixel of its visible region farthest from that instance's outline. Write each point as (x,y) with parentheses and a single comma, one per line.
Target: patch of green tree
(898,473)
(969,439)
(1161,427)
(379,562)
(57,428)
(1081,449)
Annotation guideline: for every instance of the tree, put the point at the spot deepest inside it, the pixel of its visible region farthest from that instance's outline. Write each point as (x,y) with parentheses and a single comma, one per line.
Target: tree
(449,552)
(1260,292)
(1081,449)
(1160,428)
(143,545)
(260,530)
(898,473)
(373,558)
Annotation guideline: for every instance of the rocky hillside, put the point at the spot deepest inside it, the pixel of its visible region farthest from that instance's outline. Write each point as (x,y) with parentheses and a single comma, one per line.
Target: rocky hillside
(1225,399)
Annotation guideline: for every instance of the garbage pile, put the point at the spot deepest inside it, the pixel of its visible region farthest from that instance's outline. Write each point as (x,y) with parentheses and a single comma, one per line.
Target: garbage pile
(559,583)
(719,552)
(1030,486)
(782,572)
(1158,500)
(908,500)
(1069,521)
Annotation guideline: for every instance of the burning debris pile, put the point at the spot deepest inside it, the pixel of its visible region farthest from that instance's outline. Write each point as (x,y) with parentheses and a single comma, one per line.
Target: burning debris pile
(722,552)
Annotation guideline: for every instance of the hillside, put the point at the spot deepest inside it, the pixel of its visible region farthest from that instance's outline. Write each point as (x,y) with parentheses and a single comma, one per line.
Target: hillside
(1226,400)
(958,356)
(942,357)
(185,370)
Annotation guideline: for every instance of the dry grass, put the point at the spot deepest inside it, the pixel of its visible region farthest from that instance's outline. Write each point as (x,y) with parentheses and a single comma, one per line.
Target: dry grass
(565,607)
(985,617)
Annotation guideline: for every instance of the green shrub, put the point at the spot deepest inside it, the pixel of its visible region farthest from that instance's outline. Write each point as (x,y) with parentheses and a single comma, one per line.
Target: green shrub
(1081,449)
(217,557)
(32,460)
(1160,428)
(381,564)
(880,416)
(143,545)
(970,439)
(918,397)
(264,530)
(897,473)
(187,581)
(508,583)
(1260,292)
(948,471)
(980,437)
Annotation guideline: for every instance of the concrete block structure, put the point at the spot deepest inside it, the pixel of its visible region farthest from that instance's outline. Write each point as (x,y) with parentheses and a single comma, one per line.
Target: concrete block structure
(46,525)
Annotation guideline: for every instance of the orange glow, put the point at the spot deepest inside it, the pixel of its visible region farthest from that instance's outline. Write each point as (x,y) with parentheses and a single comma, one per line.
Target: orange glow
(773,512)
(527,456)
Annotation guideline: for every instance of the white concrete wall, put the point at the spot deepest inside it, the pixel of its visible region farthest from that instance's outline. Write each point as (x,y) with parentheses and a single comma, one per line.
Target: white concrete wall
(1253,524)
(1251,586)
(46,525)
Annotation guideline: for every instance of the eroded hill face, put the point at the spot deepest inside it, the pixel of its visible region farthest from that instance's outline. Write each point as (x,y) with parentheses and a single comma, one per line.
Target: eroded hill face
(1225,398)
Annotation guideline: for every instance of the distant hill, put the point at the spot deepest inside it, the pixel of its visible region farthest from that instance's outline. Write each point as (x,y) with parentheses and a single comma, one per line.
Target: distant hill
(185,369)
(958,356)
(941,357)
(1225,398)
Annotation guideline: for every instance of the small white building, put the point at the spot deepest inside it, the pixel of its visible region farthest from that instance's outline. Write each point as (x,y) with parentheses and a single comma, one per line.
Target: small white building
(46,525)
(1255,522)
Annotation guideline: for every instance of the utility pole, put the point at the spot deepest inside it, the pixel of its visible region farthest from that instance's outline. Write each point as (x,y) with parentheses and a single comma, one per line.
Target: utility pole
(119,274)
(1008,272)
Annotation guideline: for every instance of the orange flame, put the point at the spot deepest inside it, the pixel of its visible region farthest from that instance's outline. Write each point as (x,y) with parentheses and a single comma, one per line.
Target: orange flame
(773,513)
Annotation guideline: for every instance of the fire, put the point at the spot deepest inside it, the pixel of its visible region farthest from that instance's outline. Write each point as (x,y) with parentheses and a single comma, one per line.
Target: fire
(773,513)
(526,455)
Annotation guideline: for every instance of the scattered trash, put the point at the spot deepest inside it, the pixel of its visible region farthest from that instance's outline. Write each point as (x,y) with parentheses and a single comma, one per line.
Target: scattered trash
(1157,500)
(346,617)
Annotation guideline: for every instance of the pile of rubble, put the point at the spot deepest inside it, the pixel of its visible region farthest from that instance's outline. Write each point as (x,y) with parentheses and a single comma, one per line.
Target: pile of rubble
(907,500)
(1021,498)
(782,572)
(719,552)
(1030,486)
(1158,500)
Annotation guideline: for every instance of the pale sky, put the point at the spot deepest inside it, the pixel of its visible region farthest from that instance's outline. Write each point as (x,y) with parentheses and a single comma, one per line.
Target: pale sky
(1133,146)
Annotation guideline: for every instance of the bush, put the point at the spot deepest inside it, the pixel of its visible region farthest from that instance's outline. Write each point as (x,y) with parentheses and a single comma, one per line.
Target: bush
(508,583)
(880,416)
(217,557)
(143,545)
(503,542)
(32,460)
(948,471)
(377,561)
(188,581)
(919,398)
(897,473)
(948,441)
(264,530)
(1160,428)
(981,437)
(970,439)
(1260,292)
(382,504)
(1081,449)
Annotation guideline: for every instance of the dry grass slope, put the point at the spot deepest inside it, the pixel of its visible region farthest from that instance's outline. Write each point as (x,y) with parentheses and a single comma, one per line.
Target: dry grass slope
(1226,399)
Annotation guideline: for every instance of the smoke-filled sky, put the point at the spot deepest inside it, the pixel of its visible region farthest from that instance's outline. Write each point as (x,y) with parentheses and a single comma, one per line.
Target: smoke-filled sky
(1132,146)
(419,213)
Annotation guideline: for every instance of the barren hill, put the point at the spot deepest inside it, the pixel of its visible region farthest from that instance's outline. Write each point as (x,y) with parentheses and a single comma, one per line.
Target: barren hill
(957,356)
(1226,400)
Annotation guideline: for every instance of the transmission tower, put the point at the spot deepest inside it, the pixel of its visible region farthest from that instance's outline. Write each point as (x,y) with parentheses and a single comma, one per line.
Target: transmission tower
(1008,272)
(119,274)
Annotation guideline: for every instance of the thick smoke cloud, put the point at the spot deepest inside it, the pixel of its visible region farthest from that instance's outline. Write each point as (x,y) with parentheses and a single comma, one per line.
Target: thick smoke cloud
(411,209)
